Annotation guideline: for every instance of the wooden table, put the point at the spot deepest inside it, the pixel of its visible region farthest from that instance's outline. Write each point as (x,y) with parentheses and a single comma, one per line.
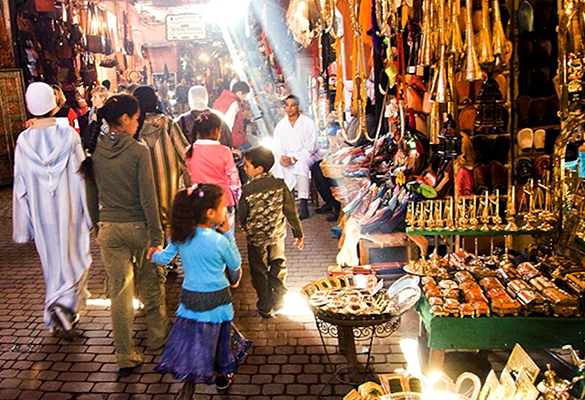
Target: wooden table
(534,331)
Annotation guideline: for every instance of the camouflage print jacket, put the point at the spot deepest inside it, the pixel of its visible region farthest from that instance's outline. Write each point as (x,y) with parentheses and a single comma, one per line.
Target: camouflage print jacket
(265,204)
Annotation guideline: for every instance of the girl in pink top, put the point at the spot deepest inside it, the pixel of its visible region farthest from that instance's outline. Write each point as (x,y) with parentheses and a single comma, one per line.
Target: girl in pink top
(210,162)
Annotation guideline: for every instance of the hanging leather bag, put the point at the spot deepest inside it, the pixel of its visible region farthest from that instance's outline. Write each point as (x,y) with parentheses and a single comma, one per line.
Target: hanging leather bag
(94,42)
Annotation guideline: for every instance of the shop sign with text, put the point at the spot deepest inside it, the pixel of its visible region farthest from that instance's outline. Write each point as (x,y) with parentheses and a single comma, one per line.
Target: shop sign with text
(185,26)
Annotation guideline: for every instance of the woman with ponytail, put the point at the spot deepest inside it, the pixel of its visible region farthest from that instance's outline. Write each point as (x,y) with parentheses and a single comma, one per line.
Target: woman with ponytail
(123,204)
(210,162)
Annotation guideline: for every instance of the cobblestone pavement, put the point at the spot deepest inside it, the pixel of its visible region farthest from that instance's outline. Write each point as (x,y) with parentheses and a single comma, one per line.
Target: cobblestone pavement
(287,360)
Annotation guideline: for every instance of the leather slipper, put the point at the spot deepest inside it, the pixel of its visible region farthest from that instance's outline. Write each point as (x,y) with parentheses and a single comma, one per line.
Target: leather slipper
(525,17)
(482,147)
(523,170)
(467,118)
(537,111)
(551,114)
(541,166)
(542,13)
(525,140)
(501,149)
(481,178)
(465,184)
(523,104)
(498,176)
(539,138)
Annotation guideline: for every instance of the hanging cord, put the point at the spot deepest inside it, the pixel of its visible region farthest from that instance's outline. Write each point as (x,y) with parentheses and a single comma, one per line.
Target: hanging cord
(378,131)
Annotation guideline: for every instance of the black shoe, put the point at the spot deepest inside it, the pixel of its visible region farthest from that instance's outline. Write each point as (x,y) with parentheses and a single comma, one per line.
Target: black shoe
(125,372)
(303,209)
(224,381)
(265,314)
(325,208)
(332,217)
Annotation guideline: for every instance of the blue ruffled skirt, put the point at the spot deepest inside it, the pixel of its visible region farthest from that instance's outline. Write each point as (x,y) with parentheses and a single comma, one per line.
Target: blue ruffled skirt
(197,350)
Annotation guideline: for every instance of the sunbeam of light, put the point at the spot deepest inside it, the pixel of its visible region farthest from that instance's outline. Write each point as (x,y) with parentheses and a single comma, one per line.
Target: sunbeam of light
(239,69)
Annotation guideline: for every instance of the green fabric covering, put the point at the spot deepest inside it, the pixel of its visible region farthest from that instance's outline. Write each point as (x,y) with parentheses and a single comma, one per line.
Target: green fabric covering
(534,331)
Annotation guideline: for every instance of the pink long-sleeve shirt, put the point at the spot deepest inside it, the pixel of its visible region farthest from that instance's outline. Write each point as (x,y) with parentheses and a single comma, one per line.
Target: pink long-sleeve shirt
(211,162)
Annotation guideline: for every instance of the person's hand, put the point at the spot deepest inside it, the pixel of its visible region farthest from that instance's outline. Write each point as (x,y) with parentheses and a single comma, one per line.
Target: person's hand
(29,122)
(299,242)
(581,148)
(224,226)
(151,250)
(285,161)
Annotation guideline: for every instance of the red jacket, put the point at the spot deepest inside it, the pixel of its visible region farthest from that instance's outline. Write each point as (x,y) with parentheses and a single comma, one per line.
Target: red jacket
(222,104)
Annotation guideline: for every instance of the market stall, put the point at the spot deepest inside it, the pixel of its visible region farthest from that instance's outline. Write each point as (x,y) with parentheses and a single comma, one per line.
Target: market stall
(473,165)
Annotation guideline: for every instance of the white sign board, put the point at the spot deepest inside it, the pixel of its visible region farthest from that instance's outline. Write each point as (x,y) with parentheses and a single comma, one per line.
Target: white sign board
(185,26)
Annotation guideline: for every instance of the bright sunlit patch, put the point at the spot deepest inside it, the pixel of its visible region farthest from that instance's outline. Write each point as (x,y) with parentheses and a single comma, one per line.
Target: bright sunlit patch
(106,303)
(268,142)
(226,11)
(295,305)
(409,348)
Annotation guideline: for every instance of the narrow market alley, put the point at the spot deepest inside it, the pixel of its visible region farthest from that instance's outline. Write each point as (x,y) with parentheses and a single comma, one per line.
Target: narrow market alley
(287,360)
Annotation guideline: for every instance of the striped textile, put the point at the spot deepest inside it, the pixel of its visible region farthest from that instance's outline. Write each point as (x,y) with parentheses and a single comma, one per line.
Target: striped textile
(167,145)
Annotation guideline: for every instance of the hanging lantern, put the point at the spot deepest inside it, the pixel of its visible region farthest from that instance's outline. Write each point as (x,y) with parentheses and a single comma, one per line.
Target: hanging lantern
(449,139)
(490,106)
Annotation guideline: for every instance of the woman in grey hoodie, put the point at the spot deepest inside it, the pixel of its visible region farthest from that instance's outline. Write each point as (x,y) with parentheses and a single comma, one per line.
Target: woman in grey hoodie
(123,205)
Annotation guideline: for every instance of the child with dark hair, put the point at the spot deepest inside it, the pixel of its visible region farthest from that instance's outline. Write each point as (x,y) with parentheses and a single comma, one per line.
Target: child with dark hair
(210,162)
(203,346)
(266,204)
(122,203)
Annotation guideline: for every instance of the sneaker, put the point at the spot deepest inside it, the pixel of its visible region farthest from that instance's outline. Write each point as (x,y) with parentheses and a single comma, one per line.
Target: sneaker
(224,381)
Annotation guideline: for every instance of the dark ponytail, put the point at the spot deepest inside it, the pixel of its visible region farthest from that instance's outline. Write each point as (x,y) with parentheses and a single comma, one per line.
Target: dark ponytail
(114,108)
(203,127)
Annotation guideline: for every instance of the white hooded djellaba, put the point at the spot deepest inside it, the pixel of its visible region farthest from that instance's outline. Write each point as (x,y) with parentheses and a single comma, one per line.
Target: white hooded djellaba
(49,206)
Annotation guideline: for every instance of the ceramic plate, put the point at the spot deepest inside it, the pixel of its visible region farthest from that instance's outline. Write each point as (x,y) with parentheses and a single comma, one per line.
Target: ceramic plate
(406,298)
(405,281)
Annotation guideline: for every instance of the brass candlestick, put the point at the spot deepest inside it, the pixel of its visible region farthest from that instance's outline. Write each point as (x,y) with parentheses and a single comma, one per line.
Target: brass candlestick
(511,210)
(485,214)
(462,220)
(530,218)
(496,219)
(473,221)
(450,222)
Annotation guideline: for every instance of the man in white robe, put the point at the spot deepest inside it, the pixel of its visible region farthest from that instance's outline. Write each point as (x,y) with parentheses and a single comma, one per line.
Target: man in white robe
(49,206)
(296,150)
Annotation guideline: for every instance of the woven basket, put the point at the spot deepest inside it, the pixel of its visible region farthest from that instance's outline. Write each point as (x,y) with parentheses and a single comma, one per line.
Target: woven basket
(332,171)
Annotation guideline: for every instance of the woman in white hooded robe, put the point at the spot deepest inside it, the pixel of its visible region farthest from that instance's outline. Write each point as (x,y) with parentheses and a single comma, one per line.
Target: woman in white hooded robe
(49,206)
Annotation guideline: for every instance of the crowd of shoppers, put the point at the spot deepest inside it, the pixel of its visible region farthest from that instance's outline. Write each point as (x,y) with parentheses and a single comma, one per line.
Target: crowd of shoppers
(127,176)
